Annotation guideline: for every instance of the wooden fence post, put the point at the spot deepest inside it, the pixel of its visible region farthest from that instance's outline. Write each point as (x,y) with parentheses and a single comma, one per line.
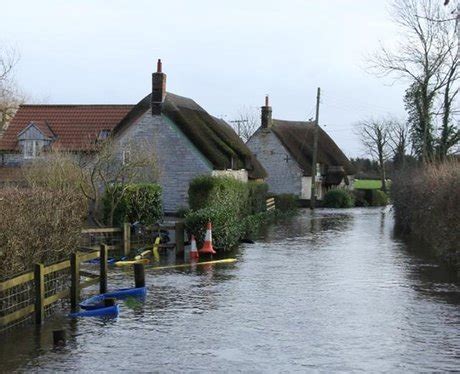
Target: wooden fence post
(126,238)
(139,275)
(104,252)
(75,281)
(179,227)
(39,280)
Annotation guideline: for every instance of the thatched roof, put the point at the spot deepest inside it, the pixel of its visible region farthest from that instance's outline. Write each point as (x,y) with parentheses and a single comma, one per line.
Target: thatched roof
(215,139)
(297,138)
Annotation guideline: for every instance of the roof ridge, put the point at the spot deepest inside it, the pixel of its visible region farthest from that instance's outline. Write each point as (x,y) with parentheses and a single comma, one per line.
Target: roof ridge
(74,105)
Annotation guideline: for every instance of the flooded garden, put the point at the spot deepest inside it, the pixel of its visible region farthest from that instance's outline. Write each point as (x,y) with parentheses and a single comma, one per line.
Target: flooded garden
(330,290)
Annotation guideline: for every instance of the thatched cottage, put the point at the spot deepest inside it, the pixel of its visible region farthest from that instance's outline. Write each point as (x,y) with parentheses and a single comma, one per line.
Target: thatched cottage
(185,139)
(285,148)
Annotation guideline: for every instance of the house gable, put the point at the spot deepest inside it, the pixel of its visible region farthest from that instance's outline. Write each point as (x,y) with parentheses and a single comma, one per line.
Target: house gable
(284,174)
(177,159)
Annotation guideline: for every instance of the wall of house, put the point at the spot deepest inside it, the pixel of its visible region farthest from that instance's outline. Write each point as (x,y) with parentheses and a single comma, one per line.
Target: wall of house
(241,175)
(284,175)
(11,159)
(178,160)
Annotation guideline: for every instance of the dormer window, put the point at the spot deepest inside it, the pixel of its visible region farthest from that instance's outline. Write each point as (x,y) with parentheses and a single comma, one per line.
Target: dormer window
(32,148)
(103,134)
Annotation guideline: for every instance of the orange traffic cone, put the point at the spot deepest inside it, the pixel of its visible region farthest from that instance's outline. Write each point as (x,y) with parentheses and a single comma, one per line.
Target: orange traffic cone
(207,247)
(193,251)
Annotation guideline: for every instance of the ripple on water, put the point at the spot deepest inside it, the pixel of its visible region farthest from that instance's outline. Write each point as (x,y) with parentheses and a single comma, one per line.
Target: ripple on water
(328,291)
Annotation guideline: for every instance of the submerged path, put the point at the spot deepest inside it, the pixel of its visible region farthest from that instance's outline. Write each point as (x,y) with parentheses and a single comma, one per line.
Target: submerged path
(332,291)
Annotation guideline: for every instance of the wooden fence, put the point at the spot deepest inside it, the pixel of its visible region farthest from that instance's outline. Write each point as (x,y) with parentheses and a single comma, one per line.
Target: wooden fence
(270,204)
(34,294)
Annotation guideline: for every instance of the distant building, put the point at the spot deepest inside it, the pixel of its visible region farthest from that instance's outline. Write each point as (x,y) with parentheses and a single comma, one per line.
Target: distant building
(185,139)
(285,148)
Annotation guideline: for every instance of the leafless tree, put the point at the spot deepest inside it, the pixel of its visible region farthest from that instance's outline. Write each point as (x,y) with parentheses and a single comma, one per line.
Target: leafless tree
(247,122)
(399,141)
(109,164)
(375,137)
(10,95)
(421,56)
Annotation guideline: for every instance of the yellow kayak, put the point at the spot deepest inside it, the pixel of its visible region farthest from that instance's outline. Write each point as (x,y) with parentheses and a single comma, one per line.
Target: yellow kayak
(224,261)
(132,262)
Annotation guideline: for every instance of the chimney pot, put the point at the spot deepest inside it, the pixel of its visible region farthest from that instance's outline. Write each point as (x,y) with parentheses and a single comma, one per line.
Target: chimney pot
(158,89)
(266,115)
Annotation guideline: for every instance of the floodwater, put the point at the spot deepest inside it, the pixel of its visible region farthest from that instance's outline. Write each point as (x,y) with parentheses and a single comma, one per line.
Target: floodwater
(331,291)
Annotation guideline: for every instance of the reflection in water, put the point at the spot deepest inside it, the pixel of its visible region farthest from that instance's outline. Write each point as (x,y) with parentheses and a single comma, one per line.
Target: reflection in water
(330,290)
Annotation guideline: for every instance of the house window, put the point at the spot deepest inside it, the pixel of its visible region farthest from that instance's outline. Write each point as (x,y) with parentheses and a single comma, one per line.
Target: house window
(126,157)
(31,148)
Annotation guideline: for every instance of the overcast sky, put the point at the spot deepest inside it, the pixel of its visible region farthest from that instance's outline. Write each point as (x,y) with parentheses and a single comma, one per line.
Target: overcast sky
(226,55)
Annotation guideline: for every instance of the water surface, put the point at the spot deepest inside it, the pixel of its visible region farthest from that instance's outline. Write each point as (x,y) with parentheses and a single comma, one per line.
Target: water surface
(331,291)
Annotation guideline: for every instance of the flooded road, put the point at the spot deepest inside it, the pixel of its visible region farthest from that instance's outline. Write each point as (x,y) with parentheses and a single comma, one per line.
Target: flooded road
(331,291)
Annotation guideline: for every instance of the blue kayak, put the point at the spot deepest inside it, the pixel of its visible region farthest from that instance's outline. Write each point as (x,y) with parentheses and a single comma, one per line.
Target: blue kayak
(97,301)
(96,261)
(100,312)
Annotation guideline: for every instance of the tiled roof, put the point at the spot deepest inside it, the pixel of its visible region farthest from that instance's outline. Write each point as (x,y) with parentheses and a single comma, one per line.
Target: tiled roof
(74,126)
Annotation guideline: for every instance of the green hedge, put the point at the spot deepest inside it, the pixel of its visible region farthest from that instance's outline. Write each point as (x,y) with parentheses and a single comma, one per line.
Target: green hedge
(228,204)
(248,198)
(339,198)
(286,202)
(136,202)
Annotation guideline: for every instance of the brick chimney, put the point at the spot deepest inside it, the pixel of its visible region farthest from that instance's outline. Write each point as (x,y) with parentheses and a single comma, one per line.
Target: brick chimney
(158,89)
(266,117)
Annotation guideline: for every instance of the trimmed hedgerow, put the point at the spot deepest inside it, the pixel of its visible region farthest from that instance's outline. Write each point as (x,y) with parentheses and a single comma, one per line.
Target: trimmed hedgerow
(228,204)
(425,202)
(286,202)
(379,198)
(338,198)
(134,202)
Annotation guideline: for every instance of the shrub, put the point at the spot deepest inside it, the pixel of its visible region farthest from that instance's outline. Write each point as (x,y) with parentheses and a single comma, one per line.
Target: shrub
(338,198)
(257,196)
(360,198)
(286,202)
(38,225)
(379,198)
(225,224)
(229,204)
(134,202)
(426,202)
(207,190)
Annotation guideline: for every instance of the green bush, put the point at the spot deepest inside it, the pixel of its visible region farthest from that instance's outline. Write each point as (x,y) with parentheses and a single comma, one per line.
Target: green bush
(338,198)
(248,198)
(226,228)
(286,202)
(206,190)
(130,203)
(257,196)
(229,204)
(379,198)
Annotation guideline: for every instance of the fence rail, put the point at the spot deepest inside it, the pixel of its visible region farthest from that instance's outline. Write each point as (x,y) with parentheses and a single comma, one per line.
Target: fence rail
(270,204)
(33,294)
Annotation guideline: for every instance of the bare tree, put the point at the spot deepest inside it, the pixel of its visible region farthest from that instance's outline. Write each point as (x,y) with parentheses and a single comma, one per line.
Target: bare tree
(109,164)
(375,137)
(10,96)
(247,122)
(399,141)
(420,57)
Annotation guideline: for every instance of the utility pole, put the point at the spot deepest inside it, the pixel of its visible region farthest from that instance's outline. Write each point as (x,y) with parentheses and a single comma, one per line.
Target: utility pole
(239,122)
(315,153)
